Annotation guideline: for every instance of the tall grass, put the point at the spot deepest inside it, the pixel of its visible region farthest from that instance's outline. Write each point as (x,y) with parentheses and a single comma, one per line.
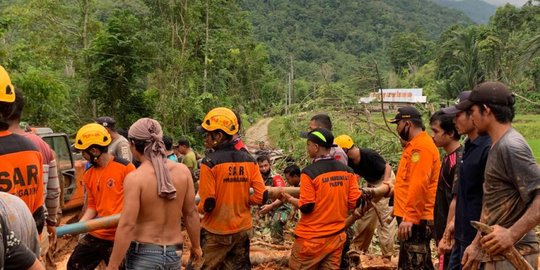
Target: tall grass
(529,127)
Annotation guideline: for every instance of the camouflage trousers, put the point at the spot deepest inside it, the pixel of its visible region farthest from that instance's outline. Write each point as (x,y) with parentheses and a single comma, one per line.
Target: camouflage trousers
(415,252)
(227,252)
(278,222)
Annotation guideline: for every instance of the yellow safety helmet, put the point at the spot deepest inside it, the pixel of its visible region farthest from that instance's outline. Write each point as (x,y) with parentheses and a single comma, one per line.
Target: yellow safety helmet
(91,134)
(7,91)
(344,141)
(221,118)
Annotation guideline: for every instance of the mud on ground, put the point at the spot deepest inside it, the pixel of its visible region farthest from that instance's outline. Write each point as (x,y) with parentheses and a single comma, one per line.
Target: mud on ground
(264,255)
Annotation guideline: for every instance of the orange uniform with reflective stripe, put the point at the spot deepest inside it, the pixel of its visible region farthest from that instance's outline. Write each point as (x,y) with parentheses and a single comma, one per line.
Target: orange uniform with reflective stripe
(333,187)
(21,169)
(105,189)
(226,175)
(416,179)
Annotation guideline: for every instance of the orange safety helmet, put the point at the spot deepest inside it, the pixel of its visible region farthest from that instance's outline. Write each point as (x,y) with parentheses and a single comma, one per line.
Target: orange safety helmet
(221,118)
(7,91)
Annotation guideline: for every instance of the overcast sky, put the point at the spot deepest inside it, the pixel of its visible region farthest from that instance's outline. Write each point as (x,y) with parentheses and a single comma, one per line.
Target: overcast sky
(502,2)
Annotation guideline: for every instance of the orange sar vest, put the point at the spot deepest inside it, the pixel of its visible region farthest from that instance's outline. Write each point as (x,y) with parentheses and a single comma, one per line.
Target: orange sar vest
(21,169)
(227,175)
(333,188)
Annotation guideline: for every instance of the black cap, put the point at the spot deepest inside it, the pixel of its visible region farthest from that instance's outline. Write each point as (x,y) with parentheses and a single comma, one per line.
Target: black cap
(492,93)
(462,104)
(107,122)
(408,112)
(322,137)
(200,129)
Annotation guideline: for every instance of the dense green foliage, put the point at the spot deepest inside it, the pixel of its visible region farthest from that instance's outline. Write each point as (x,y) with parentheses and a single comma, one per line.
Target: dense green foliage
(174,60)
(506,49)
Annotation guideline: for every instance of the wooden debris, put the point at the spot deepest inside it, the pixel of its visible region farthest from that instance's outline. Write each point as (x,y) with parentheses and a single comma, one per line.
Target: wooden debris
(261,255)
(272,246)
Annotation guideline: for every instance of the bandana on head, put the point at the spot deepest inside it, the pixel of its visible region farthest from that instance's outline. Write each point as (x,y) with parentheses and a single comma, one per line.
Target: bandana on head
(149,131)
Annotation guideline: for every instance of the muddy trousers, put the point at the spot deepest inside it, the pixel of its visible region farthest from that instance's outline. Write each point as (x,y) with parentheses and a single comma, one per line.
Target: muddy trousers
(44,245)
(227,252)
(89,252)
(415,253)
(532,259)
(366,225)
(322,253)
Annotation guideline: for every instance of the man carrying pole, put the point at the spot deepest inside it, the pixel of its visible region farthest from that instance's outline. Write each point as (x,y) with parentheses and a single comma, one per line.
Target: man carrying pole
(156,197)
(328,190)
(104,184)
(226,176)
(371,166)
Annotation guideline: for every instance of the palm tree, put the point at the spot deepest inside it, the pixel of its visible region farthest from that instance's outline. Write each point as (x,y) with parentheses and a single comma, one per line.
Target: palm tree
(459,61)
(532,49)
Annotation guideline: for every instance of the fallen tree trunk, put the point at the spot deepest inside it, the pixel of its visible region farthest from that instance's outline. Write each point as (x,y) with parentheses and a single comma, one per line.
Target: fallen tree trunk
(272,246)
(259,255)
(275,192)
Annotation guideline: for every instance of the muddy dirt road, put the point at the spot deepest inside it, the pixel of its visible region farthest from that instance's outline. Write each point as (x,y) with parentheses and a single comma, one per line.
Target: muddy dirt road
(257,133)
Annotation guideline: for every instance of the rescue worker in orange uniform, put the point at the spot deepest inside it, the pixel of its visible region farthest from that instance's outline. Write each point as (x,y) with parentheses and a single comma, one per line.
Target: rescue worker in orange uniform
(328,189)
(414,191)
(104,185)
(226,176)
(51,185)
(21,171)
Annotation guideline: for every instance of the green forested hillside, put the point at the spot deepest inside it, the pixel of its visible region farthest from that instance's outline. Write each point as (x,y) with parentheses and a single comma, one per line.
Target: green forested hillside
(334,47)
(477,10)
(337,34)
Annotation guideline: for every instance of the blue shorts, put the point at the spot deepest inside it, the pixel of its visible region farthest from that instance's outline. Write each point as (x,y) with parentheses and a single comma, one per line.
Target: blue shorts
(152,256)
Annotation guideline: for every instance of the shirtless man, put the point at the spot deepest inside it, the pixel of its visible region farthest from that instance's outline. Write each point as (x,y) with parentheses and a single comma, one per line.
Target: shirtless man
(156,197)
